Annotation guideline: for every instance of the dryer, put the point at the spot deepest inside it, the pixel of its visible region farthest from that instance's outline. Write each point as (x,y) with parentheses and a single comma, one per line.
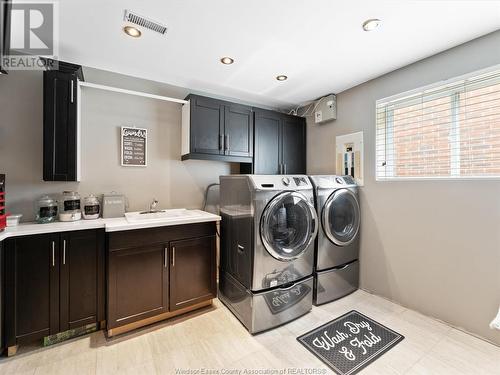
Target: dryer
(268,229)
(336,270)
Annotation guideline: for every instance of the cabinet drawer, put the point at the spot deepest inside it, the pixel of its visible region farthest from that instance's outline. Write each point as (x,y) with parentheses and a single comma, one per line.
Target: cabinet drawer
(159,235)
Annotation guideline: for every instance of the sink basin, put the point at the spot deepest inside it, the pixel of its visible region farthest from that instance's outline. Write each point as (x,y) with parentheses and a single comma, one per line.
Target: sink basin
(163,215)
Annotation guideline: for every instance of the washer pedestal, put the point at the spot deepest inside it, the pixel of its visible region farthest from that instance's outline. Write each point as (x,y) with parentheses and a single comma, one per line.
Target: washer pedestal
(335,283)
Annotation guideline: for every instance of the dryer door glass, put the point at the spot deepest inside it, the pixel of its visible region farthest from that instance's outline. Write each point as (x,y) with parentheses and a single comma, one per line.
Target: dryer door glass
(288,225)
(341,217)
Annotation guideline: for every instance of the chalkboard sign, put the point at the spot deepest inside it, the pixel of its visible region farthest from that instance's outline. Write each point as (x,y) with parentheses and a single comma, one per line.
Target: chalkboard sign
(134,146)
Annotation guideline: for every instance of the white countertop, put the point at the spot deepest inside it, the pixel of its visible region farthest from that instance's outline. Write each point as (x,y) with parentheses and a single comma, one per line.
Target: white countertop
(109,225)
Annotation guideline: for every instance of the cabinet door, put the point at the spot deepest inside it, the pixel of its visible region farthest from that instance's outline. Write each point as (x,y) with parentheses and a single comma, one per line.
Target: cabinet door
(82,278)
(192,272)
(31,288)
(137,284)
(267,142)
(238,130)
(207,126)
(59,126)
(294,145)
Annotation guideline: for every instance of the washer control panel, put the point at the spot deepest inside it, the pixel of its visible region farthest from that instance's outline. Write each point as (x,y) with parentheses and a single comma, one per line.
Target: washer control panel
(301,181)
(281,182)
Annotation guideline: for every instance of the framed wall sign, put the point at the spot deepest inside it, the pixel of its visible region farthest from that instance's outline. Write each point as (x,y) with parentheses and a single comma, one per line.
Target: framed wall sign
(134,147)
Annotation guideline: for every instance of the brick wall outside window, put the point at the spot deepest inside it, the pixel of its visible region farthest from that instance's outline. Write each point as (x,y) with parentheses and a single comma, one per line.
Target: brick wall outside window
(452,131)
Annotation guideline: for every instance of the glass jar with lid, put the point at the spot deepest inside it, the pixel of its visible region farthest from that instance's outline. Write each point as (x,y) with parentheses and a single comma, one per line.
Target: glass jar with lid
(70,207)
(46,210)
(91,207)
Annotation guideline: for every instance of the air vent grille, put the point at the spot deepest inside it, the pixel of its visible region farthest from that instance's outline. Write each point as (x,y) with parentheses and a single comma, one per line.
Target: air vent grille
(145,22)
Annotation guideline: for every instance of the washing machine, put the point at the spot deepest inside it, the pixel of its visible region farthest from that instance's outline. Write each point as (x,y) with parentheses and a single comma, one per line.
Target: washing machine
(268,229)
(336,268)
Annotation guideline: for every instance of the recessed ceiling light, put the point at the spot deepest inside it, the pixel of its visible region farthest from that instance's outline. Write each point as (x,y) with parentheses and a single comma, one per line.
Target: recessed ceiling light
(227,60)
(371,24)
(132,31)
(281,77)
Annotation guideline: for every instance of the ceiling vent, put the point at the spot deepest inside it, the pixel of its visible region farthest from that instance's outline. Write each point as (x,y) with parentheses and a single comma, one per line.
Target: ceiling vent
(144,22)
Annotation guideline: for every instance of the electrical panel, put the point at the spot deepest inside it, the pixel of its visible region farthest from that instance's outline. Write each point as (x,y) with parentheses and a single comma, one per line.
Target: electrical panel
(326,109)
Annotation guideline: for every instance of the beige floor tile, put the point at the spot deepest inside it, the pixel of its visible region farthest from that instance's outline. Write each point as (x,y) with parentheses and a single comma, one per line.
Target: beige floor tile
(215,339)
(84,364)
(460,353)
(196,356)
(21,363)
(120,355)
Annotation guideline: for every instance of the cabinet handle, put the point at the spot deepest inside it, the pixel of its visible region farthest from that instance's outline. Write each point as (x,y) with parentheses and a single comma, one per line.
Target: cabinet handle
(226,142)
(71,91)
(165,258)
(281,169)
(173,256)
(221,142)
(53,254)
(284,167)
(64,251)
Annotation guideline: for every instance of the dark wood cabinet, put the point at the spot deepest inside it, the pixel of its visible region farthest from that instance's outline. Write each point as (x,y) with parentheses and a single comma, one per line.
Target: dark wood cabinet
(217,130)
(60,136)
(156,273)
(31,288)
(192,266)
(207,126)
(267,144)
(82,278)
(138,284)
(279,143)
(238,130)
(53,282)
(293,145)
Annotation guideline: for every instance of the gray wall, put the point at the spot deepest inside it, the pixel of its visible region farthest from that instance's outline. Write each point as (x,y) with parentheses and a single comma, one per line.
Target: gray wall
(433,246)
(173,182)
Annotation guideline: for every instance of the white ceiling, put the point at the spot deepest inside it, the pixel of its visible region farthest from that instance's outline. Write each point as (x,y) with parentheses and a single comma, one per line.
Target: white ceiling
(319,44)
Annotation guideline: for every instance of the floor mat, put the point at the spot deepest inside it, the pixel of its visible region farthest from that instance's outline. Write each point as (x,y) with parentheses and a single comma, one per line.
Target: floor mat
(350,342)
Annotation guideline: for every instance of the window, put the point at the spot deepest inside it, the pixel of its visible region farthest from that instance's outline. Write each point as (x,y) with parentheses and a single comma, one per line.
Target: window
(449,130)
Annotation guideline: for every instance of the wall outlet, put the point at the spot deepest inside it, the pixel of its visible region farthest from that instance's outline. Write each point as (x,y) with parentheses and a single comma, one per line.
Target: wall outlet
(318,116)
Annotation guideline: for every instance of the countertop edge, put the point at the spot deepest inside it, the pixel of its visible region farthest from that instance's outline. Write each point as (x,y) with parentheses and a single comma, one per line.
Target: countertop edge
(109,225)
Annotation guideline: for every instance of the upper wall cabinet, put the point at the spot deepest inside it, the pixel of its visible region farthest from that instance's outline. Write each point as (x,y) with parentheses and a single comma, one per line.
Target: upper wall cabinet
(214,129)
(280,143)
(60,128)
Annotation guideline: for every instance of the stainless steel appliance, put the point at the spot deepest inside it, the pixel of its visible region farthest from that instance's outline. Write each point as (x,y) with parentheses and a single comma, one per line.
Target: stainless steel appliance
(267,248)
(336,271)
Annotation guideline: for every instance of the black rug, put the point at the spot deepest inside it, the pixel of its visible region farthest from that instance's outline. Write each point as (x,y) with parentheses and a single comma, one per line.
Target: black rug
(350,342)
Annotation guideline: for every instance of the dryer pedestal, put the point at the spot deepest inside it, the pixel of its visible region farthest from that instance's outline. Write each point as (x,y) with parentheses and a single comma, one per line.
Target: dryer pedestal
(260,311)
(335,283)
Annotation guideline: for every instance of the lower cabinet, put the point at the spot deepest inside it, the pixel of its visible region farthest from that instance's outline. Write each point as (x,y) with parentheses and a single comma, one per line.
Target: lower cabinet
(53,282)
(192,266)
(156,273)
(138,284)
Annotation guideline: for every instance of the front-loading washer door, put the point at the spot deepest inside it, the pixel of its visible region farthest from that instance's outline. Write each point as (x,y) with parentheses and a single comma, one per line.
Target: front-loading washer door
(341,217)
(288,225)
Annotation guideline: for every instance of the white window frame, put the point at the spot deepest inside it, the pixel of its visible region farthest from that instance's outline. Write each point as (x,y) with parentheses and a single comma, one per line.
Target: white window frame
(454,156)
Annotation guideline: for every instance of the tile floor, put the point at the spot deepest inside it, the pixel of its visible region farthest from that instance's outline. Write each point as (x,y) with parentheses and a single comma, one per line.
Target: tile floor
(214,339)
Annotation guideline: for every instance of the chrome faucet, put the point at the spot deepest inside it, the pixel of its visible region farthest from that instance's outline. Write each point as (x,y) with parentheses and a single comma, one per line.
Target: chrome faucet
(153,204)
